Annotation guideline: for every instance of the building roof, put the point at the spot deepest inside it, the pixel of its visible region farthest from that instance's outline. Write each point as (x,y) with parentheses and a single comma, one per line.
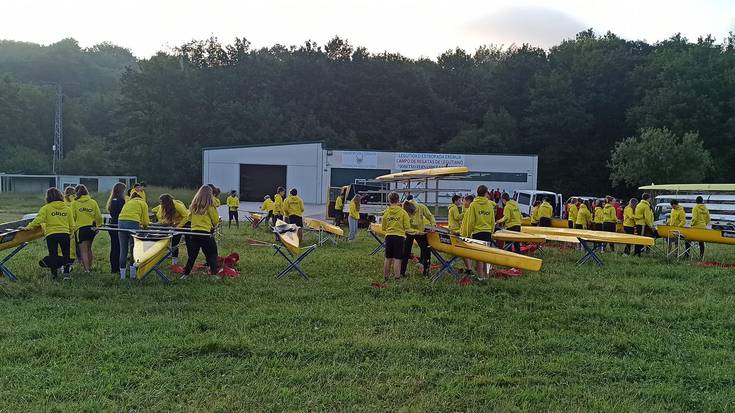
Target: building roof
(263,145)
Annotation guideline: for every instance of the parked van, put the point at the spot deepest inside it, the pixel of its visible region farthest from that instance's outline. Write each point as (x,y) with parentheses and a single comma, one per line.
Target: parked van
(526,199)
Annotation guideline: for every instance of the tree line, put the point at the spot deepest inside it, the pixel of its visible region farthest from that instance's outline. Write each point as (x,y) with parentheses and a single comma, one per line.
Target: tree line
(604,114)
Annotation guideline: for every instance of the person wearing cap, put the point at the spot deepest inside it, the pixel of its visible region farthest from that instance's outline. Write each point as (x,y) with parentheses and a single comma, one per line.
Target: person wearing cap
(643,220)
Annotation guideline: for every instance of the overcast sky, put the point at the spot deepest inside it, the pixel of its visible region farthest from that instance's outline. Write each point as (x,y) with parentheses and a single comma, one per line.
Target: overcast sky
(412,27)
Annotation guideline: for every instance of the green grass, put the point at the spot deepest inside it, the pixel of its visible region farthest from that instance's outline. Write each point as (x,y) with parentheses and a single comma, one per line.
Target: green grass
(635,335)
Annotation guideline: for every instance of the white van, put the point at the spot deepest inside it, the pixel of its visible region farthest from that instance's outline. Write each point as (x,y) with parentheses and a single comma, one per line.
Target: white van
(526,199)
(721,208)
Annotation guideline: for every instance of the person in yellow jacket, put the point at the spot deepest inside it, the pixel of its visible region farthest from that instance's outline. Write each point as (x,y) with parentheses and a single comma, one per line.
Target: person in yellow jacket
(678,218)
(133,216)
(87,215)
(629,221)
(454,214)
(479,223)
(534,213)
(545,212)
(609,218)
(584,216)
(58,224)
(233,204)
(598,215)
(701,220)
(395,224)
(353,217)
(643,217)
(511,218)
(339,205)
(267,207)
(204,219)
(278,204)
(572,212)
(293,208)
(423,211)
(416,232)
(172,213)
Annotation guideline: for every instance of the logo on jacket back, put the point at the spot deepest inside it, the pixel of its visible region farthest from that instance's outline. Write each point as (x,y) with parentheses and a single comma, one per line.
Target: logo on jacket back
(87,210)
(58,214)
(483,212)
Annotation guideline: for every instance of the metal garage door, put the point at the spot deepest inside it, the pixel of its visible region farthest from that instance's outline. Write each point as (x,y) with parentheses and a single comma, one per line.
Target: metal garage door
(257,181)
(346,176)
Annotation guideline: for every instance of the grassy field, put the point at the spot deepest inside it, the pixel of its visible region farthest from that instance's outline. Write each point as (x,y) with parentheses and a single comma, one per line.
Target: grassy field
(634,335)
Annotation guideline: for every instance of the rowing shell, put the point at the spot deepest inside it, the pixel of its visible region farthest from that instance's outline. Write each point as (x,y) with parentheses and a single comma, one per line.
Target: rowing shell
(317,225)
(15,237)
(377,229)
(480,251)
(148,250)
(714,236)
(595,236)
(288,236)
(513,236)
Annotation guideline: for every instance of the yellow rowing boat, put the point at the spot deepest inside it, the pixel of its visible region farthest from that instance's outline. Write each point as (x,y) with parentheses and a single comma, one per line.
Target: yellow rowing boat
(13,238)
(714,236)
(513,236)
(288,236)
(424,174)
(148,250)
(377,229)
(480,251)
(595,236)
(317,225)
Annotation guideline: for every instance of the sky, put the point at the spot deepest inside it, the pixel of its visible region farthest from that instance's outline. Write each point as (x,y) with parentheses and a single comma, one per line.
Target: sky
(414,28)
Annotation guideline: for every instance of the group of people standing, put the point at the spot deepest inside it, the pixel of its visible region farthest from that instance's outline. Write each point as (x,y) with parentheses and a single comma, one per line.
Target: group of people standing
(472,216)
(71,223)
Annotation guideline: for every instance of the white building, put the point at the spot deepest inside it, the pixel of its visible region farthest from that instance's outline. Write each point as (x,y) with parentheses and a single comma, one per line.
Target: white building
(257,170)
(40,183)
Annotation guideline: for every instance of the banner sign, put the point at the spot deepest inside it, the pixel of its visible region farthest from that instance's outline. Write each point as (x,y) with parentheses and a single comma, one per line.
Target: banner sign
(410,161)
(357,159)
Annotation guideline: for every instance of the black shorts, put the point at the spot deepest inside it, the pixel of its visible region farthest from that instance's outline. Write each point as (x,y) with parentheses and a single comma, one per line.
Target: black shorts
(483,236)
(610,226)
(233,215)
(296,219)
(394,247)
(85,233)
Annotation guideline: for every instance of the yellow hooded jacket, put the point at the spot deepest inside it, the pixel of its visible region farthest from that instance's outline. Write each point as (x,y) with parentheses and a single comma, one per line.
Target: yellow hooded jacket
(511,214)
(572,212)
(584,216)
(678,217)
(267,205)
(396,221)
(181,216)
(609,214)
(56,218)
(545,210)
(354,212)
(86,212)
(455,218)
(277,204)
(233,203)
(628,216)
(206,221)
(339,203)
(135,210)
(480,216)
(643,214)
(293,205)
(700,216)
(599,216)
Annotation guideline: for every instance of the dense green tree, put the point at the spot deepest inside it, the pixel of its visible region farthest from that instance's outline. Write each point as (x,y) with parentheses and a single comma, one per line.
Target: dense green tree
(659,156)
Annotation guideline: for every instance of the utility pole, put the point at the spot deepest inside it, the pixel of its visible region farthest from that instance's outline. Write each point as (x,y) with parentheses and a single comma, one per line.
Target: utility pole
(58,146)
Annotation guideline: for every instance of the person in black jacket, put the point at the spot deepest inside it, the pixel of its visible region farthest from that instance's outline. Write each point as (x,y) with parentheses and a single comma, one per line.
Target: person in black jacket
(114,205)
